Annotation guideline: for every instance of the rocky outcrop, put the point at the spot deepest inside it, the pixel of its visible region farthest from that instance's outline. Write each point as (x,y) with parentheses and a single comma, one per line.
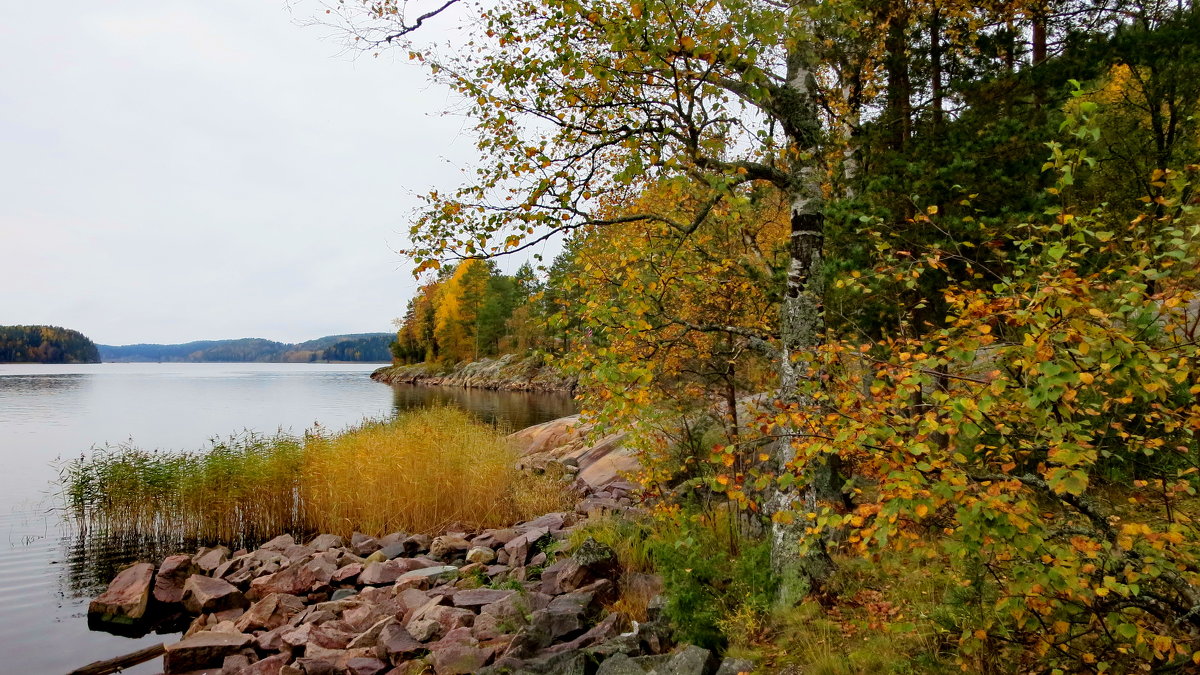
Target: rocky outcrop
(563,446)
(127,597)
(506,373)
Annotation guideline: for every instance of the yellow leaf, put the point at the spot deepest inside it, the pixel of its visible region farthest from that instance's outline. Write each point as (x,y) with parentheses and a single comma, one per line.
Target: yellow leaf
(921,510)
(1086,378)
(687,43)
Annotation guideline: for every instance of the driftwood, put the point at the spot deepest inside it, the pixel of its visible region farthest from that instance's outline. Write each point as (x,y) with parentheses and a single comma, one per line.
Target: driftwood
(121,662)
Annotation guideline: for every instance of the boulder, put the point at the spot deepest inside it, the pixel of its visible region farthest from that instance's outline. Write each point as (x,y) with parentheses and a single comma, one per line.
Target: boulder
(447,546)
(424,630)
(417,543)
(206,594)
(377,573)
(324,542)
(205,649)
(270,613)
(298,579)
(429,574)
(620,664)
(731,666)
(127,596)
(691,660)
(481,554)
(172,574)
(396,644)
(365,665)
(478,597)
(279,543)
(209,559)
(519,548)
(267,666)
(346,574)
(364,545)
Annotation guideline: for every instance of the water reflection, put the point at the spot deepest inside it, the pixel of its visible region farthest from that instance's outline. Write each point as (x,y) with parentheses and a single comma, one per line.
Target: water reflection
(510,410)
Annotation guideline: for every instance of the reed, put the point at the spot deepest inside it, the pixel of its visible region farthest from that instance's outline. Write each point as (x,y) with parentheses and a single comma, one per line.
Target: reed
(421,472)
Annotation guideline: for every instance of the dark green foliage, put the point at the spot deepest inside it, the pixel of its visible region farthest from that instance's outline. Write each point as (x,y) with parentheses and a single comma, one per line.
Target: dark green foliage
(45,344)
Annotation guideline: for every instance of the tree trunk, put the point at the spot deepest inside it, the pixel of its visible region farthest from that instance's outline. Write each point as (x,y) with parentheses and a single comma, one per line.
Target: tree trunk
(935,57)
(801,568)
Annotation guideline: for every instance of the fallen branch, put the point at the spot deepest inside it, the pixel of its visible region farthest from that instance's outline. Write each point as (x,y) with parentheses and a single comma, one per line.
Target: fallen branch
(121,662)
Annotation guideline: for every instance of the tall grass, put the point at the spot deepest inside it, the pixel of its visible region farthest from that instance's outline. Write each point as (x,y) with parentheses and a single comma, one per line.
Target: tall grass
(419,472)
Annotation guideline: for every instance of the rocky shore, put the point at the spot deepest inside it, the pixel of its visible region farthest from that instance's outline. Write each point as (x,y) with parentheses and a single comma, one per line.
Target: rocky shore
(519,599)
(506,373)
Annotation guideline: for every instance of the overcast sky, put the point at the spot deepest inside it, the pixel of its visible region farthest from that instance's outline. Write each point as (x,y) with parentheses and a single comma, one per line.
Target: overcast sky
(175,171)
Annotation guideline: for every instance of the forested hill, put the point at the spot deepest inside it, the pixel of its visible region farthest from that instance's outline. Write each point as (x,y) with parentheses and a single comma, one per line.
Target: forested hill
(368,347)
(45,344)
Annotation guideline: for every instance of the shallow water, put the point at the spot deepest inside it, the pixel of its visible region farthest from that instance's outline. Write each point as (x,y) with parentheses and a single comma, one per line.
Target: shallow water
(49,412)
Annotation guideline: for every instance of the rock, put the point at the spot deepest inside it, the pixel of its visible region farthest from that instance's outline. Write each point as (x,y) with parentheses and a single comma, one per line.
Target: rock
(234,664)
(551,521)
(477,597)
(429,574)
(461,659)
(279,543)
(396,643)
(270,613)
(209,559)
(298,579)
(424,630)
(417,543)
(620,664)
(449,617)
(389,571)
(365,665)
(481,554)
(346,574)
(205,649)
(343,593)
(557,624)
(297,552)
(127,596)
(447,546)
(520,547)
(267,666)
(364,545)
(732,666)
(691,660)
(370,637)
(205,594)
(172,574)
(324,542)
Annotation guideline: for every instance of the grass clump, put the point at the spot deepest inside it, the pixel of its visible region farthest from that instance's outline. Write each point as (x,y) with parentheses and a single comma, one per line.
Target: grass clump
(419,472)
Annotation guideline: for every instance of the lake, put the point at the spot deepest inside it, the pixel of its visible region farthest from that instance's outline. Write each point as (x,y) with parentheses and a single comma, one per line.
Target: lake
(51,412)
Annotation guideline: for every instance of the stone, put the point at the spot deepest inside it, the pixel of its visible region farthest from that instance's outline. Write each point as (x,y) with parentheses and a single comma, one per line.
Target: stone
(481,554)
(417,543)
(620,664)
(364,545)
(209,559)
(731,666)
(205,649)
(343,593)
(270,613)
(172,574)
(365,665)
(267,666)
(449,617)
(324,542)
(520,547)
(551,521)
(234,664)
(424,630)
(370,637)
(691,660)
(430,574)
(478,597)
(396,643)
(206,594)
(127,596)
(447,546)
(279,543)
(298,579)
(558,623)
(377,573)
(538,560)
(346,574)
(460,658)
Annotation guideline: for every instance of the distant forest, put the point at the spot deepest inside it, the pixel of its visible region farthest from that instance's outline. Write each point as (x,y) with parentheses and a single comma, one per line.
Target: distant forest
(45,344)
(369,347)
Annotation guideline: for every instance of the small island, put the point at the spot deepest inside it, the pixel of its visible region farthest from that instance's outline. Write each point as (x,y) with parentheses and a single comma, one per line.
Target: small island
(46,344)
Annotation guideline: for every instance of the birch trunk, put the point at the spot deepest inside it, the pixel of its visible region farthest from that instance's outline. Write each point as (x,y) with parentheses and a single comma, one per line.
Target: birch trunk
(800,568)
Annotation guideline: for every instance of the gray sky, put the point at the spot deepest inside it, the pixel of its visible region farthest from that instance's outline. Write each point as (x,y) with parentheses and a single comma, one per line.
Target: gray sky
(173,171)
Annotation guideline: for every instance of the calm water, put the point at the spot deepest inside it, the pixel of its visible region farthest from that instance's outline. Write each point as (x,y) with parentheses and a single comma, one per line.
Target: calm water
(48,575)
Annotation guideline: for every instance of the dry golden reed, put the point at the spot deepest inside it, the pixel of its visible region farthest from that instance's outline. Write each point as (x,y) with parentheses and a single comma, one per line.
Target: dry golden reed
(421,472)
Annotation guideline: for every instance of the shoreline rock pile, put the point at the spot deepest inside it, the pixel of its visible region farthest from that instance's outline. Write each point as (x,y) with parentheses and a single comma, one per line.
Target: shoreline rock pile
(506,600)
